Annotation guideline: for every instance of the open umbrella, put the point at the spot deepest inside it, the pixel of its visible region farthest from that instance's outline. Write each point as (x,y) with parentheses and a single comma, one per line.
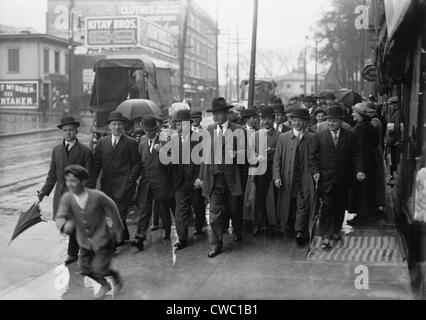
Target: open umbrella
(348,97)
(138,108)
(27,219)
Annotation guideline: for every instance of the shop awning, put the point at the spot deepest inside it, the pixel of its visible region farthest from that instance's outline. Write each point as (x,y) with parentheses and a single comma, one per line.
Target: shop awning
(396,11)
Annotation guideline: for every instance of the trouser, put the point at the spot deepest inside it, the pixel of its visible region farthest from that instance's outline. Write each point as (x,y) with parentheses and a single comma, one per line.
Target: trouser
(73,246)
(182,212)
(156,214)
(221,197)
(146,200)
(394,153)
(262,185)
(97,264)
(299,214)
(333,210)
(123,209)
(197,202)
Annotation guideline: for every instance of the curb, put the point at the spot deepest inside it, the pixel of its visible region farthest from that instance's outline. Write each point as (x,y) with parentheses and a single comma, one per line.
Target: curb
(16,134)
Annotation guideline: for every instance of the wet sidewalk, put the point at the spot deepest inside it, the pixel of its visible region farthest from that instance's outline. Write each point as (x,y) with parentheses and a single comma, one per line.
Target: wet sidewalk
(262,267)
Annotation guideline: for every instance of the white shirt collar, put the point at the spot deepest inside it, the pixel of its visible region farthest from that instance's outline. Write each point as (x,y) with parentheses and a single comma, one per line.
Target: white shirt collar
(224,125)
(116,138)
(298,133)
(335,132)
(71,143)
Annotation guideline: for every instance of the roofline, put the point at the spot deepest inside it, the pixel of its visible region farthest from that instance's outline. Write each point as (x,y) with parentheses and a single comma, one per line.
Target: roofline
(36,36)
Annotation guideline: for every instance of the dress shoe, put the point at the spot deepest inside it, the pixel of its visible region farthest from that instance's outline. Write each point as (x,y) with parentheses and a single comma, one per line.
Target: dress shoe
(103,291)
(255,231)
(153,228)
(300,239)
(238,237)
(166,235)
(118,284)
(179,245)
(138,243)
(325,244)
(213,253)
(70,259)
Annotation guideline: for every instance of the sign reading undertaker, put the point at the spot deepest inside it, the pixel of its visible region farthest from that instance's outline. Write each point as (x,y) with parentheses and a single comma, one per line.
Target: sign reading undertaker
(19,94)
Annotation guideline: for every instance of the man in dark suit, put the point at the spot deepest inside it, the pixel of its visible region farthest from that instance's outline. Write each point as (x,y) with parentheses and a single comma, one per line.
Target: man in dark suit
(117,156)
(280,118)
(154,183)
(309,103)
(69,151)
(221,176)
(334,156)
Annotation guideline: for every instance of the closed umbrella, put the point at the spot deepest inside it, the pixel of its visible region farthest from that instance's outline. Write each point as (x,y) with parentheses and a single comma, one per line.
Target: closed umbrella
(348,97)
(27,219)
(315,213)
(139,108)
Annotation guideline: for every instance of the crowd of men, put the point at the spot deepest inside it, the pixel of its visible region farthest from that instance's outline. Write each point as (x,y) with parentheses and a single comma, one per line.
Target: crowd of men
(311,148)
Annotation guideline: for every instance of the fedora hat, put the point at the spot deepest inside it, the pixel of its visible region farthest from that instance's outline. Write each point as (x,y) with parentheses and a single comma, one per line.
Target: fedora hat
(116,116)
(308,99)
(278,108)
(300,113)
(319,110)
(68,120)
(219,104)
(335,112)
(196,113)
(268,112)
(183,115)
(150,122)
(250,112)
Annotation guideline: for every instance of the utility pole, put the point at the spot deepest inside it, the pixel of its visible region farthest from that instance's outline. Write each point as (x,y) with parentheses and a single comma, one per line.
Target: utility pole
(182,45)
(70,51)
(227,72)
(253,56)
(217,48)
(304,67)
(316,67)
(238,64)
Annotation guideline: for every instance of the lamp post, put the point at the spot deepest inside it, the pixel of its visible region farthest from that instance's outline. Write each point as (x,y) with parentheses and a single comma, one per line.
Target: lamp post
(70,51)
(304,67)
(184,28)
(253,55)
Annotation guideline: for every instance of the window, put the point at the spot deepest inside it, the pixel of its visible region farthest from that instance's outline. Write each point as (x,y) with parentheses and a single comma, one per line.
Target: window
(46,60)
(57,62)
(312,88)
(13,60)
(288,85)
(302,86)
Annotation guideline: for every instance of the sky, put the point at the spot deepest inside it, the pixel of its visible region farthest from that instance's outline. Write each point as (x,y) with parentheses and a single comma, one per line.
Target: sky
(281,23)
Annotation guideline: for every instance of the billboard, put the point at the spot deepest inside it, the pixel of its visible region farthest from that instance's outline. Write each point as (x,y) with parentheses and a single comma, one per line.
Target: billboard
(19,94)
(111,31)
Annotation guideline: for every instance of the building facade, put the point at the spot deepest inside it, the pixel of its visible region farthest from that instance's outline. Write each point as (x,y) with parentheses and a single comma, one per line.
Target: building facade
(293,84)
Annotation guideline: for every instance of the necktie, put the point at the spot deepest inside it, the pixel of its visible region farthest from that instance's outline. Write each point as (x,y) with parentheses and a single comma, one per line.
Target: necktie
(67,148)
(114,143)
(335,139)
(149,145)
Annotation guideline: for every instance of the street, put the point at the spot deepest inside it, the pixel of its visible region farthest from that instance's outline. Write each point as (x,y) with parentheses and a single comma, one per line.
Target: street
(262,267)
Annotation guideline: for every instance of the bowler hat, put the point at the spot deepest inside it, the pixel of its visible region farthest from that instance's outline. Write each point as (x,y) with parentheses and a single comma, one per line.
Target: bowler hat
(319,110)
(308,99)
(250,112)
(278,108)
(300,113)
(183,115)
(196,113)
(78,171)
(219,104)
(335,112)
(149,122)
(116,116)
(268,112)
(68,120)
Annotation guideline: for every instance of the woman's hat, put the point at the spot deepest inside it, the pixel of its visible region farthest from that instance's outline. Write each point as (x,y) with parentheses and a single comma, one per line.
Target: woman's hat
(183,115)
(300,113)
(68,120)
(219,104)
(116,116)
(365,110)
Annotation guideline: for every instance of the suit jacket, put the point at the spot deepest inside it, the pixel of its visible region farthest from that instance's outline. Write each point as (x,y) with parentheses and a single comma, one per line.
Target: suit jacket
(93,231)
(231,171)
(336,164)
(78,154)
(154,174)
(120,166)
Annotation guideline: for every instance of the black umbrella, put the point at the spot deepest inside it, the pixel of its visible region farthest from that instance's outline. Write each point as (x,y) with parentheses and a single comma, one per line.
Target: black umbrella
(27,219)
(348,97)
(314,214)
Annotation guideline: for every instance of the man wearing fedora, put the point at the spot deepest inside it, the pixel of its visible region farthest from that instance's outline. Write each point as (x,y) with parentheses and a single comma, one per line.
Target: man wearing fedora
(280,118)
(265,209)
(154,186)
(292,177)
(117,156)
(310,104)
(69,151)
(220,176)
(334,158)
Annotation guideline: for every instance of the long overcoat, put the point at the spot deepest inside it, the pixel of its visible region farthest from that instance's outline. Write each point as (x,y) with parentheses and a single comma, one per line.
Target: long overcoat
(284,158)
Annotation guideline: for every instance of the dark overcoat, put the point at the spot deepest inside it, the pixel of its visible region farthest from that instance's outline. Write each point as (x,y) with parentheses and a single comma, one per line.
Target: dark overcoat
(78,154)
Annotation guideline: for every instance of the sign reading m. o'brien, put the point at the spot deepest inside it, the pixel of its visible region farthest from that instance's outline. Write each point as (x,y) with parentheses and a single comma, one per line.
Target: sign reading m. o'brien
(111,31)
(18,94)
